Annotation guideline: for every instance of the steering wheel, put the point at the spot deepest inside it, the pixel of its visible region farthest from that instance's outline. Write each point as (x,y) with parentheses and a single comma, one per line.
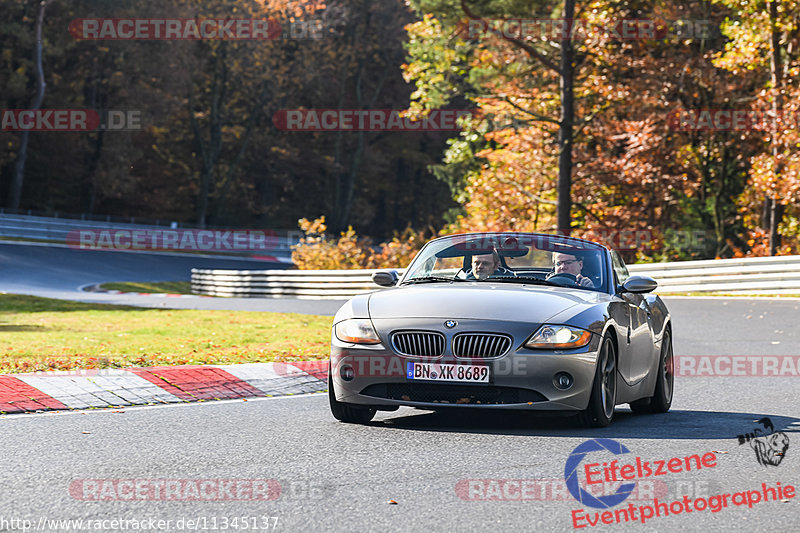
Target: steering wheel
(564,279)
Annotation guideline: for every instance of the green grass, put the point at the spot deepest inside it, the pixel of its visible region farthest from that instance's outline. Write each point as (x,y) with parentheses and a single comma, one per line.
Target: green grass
(44,334)
(157,287)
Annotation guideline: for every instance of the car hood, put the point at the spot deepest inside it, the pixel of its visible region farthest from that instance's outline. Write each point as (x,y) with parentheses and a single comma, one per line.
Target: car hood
(479,300)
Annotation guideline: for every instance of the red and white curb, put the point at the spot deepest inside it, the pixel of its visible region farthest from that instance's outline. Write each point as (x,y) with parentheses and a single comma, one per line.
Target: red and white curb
(85,389)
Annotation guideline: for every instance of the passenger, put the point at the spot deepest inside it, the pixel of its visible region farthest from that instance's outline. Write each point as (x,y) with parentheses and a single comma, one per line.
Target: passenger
(488,265)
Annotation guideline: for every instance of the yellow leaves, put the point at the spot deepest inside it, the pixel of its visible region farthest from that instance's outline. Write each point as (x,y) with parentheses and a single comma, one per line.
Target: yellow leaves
(314,227)
(316,251)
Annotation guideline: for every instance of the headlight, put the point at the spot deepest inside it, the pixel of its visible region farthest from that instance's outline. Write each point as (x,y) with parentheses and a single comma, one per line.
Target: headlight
(356,330)
(559,337)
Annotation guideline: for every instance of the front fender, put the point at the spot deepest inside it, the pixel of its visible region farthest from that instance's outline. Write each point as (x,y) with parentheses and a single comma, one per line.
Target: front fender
(591,317)
(355,307)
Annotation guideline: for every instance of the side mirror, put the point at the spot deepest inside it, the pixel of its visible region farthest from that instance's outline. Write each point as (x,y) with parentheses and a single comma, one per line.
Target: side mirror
(639,285)
(385,278)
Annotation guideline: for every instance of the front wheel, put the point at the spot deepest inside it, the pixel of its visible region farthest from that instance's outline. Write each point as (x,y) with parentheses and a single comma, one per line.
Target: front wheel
(661,400)
(603,399)
(346,412)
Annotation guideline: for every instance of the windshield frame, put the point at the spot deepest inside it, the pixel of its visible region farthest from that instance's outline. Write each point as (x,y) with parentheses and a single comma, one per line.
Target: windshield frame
(527,239)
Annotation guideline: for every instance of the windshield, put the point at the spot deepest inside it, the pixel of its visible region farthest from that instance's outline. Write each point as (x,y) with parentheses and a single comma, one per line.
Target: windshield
(511,258)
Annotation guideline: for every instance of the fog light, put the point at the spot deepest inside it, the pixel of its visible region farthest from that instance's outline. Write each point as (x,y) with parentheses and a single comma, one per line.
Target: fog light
(347,373)
(562,380)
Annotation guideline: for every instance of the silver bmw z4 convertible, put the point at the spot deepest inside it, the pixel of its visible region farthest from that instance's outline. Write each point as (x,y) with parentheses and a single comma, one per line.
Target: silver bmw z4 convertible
(504,321)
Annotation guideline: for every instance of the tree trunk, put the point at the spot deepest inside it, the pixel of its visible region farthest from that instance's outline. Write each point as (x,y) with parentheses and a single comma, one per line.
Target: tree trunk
(253,116)
(565,130)
(88,182)
(347,180)
(775,213)
(209,152)
(91,160)
(15,196)
(350,182)
(336,219)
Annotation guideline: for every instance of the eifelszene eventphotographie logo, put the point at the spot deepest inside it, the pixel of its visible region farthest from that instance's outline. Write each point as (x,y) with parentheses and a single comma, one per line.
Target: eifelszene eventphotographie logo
(596,473)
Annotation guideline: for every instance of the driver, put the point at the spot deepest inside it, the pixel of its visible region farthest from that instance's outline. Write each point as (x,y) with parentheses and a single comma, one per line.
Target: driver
(487,265)
(570,264)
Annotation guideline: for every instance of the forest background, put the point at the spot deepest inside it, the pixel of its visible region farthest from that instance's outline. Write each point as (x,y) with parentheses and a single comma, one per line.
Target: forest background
(604,119)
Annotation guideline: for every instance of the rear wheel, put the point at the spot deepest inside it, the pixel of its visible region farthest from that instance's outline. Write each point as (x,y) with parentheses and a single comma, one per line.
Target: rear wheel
(603,399)
(346,412)
(661,400)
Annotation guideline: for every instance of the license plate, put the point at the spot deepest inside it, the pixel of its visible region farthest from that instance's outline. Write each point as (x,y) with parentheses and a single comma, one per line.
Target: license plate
(447,372)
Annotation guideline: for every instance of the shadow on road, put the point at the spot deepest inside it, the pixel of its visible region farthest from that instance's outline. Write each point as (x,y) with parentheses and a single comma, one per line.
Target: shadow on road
(672,425)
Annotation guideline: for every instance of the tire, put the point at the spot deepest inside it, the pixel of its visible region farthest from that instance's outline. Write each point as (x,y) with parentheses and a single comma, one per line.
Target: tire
(346,412)
(661,400)
(602,401)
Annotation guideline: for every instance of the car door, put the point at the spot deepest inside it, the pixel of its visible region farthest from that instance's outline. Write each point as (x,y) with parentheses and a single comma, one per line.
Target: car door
(639,336)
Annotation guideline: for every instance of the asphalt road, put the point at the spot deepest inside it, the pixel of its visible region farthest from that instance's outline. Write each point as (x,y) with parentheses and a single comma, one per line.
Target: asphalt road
(339,477)
(439,468)
(61,272)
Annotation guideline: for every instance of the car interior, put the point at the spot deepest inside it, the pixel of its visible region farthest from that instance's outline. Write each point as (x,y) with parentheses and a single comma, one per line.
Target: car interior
(592,262)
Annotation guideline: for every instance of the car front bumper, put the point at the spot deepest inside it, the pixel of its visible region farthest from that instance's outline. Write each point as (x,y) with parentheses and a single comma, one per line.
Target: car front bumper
(521,379)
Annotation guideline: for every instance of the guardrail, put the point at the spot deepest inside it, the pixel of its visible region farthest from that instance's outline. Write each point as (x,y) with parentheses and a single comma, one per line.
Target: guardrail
(56,229)
(308,284)
(758,275)
(751,275)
